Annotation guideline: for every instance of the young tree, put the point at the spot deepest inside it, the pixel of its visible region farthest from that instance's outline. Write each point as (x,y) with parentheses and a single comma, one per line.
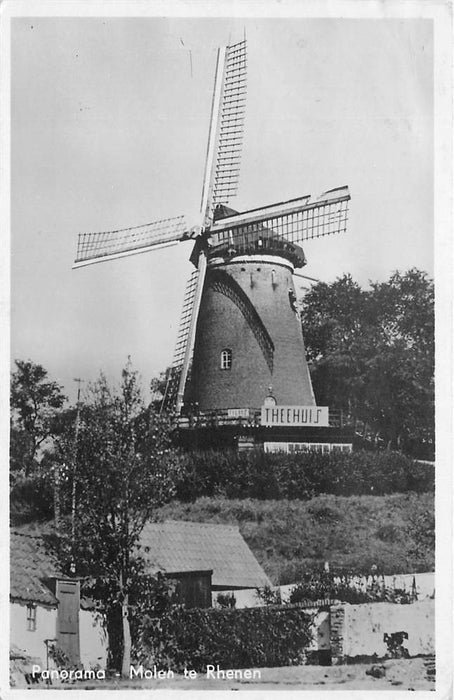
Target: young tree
(124,468)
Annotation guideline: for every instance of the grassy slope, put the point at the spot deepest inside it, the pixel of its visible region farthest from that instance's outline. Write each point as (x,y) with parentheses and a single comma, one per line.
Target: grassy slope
(290,537)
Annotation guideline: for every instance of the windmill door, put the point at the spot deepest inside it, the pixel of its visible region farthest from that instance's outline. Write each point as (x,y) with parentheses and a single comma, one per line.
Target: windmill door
(68,594)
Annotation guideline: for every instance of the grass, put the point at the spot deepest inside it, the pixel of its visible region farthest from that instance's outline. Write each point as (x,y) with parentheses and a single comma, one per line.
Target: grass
(354,532)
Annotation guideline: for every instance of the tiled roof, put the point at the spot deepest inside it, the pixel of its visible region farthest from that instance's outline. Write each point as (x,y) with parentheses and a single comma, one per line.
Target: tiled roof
(30,566)
(181,546)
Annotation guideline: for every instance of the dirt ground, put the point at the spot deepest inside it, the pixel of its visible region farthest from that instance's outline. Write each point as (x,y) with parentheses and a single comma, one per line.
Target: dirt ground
(402,674)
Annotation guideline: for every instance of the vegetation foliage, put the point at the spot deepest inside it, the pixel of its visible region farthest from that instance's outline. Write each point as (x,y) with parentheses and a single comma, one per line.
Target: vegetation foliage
(292,537)
(246,638)
(345,588)
(121,467)
(35,401)
(272,476)
(372,354)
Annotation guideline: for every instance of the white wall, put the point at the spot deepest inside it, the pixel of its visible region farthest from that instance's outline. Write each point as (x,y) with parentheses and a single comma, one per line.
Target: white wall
(366,624)
(93,639)
(32,642)
(244,597)
(425,584)
(320,630)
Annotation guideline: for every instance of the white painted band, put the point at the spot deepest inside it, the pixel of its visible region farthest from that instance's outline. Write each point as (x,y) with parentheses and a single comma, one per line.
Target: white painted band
(254,259)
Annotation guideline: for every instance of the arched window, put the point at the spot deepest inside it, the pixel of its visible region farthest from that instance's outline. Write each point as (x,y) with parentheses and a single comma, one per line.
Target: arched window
(226,359)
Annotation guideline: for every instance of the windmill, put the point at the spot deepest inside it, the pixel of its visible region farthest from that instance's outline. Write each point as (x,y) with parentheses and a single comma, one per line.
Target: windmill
(240,341)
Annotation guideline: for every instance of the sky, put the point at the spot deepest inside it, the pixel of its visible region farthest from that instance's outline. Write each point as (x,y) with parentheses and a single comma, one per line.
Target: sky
(109,125)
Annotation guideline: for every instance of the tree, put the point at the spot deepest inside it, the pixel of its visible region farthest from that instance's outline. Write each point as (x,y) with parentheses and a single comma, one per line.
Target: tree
(34,403)
(124,468)
(402,371)
(372,353)
(333,325)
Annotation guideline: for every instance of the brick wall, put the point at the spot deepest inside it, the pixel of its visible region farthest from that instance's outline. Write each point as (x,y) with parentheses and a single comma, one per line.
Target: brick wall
(337,633)
(222,325)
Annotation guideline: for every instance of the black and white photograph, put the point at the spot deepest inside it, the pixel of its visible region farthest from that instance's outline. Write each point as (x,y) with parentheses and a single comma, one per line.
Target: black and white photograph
(226,366)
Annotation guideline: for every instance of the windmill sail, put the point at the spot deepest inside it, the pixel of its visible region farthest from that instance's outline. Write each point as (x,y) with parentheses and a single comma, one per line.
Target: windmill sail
(295,221)
(232,114)
(108,245)
(178,372)
(222,166)
(221,178)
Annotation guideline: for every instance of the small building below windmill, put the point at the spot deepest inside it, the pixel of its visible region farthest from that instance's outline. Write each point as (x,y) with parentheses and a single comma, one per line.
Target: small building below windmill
(46,610)
(204,558)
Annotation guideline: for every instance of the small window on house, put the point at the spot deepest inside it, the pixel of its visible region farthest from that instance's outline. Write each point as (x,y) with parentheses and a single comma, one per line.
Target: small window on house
(226,359)
(31,618)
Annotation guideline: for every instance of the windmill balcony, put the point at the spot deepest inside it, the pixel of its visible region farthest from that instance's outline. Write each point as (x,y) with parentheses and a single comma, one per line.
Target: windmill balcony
(245,417)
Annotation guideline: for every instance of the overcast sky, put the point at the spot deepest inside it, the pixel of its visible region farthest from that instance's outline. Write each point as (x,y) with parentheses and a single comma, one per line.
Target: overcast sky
(109,129)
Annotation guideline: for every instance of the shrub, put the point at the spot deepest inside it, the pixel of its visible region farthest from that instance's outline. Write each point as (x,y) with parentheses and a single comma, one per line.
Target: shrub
(246,638)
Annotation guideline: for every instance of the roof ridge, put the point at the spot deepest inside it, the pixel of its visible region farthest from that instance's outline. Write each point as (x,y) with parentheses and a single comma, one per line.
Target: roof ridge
(196,522)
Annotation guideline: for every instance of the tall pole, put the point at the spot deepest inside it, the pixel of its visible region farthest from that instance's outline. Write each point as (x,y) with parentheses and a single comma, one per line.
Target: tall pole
(73,494)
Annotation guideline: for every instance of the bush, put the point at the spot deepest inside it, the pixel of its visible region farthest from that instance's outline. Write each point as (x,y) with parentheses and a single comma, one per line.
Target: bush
(259,475)
(246,638)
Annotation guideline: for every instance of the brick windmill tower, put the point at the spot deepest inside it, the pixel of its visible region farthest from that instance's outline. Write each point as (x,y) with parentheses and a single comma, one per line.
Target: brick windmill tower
(240,348)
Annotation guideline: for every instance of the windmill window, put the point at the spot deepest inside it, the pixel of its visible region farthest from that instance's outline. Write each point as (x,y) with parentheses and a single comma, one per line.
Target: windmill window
(226,359)
(31,618)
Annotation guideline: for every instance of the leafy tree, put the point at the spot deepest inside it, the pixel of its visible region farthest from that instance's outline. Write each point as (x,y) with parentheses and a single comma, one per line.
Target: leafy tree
(372,353)
(402,371)
(124,468)
(35,400)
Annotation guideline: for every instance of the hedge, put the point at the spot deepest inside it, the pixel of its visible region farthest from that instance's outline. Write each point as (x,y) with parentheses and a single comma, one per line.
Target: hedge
(300,476)
(245,638)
